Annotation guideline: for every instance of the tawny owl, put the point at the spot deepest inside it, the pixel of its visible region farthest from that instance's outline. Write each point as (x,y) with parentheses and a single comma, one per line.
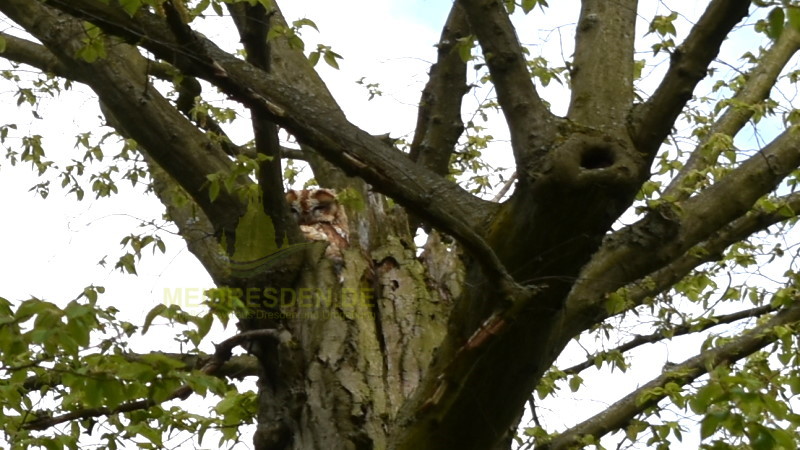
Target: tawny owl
(321,218)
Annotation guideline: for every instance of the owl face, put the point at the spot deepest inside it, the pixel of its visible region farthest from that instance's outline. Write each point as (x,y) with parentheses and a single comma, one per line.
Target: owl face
(321,218)
(312,206)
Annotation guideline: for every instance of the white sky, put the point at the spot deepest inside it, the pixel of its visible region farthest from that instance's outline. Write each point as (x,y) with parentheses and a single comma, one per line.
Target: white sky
(50,248)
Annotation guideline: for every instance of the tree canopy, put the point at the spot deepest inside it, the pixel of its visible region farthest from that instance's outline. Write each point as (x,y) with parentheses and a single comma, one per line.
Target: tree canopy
(646,225)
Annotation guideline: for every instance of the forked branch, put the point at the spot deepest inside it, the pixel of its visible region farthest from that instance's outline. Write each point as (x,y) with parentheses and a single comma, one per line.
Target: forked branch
(663,278)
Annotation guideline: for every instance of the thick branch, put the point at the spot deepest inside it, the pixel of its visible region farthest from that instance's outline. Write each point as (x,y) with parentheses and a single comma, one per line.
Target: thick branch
(688,66)
(759,82)
(618,415)
(602,80)
(529,120)
(439,122)
(26,52)
(655,250)
(709,250)
(36,55)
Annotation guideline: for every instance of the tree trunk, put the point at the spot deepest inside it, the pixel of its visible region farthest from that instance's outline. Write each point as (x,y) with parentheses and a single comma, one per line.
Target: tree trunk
(360,340)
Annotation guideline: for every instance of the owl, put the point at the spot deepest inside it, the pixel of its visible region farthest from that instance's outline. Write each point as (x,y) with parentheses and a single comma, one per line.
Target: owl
(321,218)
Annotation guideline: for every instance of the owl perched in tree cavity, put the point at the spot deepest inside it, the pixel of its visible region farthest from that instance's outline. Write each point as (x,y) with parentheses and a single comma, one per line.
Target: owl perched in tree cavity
(321,218)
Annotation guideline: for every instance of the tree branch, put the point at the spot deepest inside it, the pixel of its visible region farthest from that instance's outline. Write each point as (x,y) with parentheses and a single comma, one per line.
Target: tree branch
(529,120)
(602,81)
(237,367)
(760,81)
(253,24)
(439,123)
(211,367)
(26,52)
(688,65)
(506,187)
(36,55)
(679,330)
(618,415)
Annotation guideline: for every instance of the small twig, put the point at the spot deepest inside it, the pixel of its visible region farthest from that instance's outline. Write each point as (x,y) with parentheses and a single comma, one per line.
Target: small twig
(506,187)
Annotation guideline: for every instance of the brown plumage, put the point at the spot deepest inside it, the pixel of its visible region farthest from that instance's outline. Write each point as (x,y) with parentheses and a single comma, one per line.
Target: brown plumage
(321,218)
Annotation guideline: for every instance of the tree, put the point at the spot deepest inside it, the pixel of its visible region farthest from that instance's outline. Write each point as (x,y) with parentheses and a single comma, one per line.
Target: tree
(444,349)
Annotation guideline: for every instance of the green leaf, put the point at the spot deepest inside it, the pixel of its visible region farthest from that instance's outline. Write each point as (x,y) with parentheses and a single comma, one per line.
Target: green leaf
(711,422)
(465,46)
(2,44)
(760,437)
(218,9)
(615,303)
(330,57)
(126,263)
(527,5)
(92,395)
(705,397)
(305,22)
(162,363)
(214,187)
(155,312)
(575,383)
(775,21)
(783,438)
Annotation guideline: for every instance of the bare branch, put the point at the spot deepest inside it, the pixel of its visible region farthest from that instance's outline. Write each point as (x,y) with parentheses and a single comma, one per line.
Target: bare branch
(294,153)
(529,120)
(689,64)
(439,123)
(618,415)
(602,80)
(759,82)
